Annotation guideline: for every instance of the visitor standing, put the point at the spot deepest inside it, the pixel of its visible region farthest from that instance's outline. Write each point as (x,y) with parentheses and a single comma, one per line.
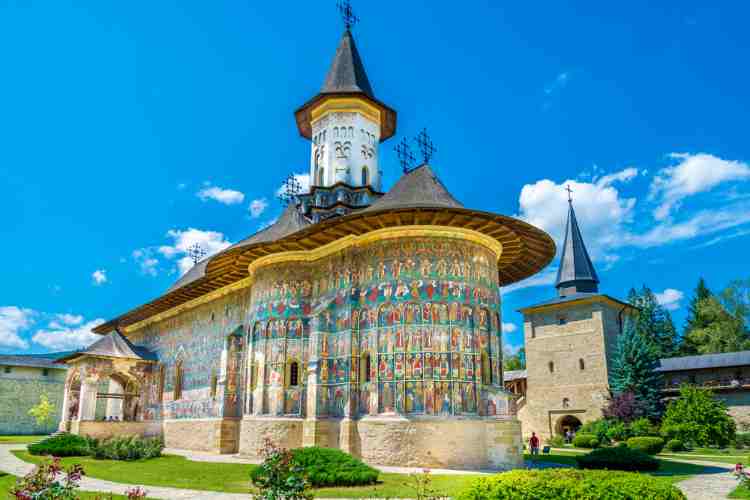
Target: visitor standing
(534,444)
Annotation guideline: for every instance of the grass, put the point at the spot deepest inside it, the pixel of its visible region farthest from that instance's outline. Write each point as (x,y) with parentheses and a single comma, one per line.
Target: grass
(21,439)
(179,472)
(740,492)
(7,481)
(669,470)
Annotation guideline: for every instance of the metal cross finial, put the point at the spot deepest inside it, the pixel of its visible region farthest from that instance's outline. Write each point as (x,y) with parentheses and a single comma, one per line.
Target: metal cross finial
(347,14)
(405,156)
(426,147)
(290,189)
(570,191)
(196,252)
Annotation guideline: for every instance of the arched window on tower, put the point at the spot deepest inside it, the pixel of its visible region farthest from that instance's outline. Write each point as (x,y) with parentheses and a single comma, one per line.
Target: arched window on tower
(486,368)
(365,176)
(551,367)
(581,364)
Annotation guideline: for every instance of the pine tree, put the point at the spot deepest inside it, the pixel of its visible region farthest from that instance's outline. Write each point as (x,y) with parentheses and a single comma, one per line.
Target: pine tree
(633,369)
(695,320)
(654,323)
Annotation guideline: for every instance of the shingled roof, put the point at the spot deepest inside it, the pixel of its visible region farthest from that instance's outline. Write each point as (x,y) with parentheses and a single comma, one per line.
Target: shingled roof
(416,189)
(704,361)
(576,272)
(347,73)
(113,345)
(31,360)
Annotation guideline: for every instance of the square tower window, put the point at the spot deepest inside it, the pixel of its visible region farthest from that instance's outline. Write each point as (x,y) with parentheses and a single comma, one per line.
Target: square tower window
(562,320)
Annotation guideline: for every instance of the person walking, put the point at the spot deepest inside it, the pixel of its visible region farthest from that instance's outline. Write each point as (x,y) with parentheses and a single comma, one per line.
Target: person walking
(534,444)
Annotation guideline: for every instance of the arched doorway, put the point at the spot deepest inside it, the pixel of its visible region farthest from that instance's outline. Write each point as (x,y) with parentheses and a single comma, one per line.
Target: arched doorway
(567,423)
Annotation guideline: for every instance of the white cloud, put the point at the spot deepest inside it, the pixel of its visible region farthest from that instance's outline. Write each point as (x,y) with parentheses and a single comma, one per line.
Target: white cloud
(145,259)
(181,186)
(559,83)
(693,174)
(257,207)
(58,338)
(12,321)
(510,349)
(601,210)
(70,319)
(304,182)
(509,327)
(211,241)
(225,196)
(99,276)
(670,298)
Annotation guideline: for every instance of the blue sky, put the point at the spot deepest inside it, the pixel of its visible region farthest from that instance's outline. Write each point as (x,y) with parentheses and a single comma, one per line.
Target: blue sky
(129,130)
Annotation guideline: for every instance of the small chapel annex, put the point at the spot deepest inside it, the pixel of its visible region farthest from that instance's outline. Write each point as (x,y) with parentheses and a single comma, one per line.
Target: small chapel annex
(364,320)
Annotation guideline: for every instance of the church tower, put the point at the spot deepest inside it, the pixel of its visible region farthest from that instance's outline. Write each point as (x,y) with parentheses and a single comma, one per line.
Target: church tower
(345,123)
(570,342)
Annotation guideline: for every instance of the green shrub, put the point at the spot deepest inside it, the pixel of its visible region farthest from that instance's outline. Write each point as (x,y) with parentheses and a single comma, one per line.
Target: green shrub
(618,431)
(583,440)
(598,428)
(62,445)
(556,441)
(568,484)
(618,458)
(742,440)
(128,448)
(650,445)
(278,477)
(697,418)
(642,427)
(675,445)
(331,467)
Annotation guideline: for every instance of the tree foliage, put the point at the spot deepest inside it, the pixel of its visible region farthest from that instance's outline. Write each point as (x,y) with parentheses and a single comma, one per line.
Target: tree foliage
(515,361)
(633,369)
(624,407)
(696,417)
(43,411)
(654,323)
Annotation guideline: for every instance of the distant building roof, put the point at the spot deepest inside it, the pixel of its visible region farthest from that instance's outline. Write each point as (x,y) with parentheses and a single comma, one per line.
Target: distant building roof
(514,375)
(723,360)
(575,298)
(113,345)
(33,360)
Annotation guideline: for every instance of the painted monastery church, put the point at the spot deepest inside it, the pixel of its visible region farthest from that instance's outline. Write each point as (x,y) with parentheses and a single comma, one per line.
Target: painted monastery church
(363,319)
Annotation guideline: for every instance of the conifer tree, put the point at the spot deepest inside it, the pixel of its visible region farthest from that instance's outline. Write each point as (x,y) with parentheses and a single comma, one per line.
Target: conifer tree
(633,369)
(654,323)
(696,319)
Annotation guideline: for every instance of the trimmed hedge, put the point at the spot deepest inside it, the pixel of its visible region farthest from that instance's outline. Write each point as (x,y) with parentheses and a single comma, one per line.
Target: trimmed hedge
(62,445)
(569,484)
(128,448)
(618,458)
(650,445)
(583,440)
(330,467)
(675,445)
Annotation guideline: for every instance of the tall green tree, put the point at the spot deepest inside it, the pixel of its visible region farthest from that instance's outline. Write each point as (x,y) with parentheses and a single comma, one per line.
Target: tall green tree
(724,331)
(633,369)
(696,417)
(654,323)
(695,319)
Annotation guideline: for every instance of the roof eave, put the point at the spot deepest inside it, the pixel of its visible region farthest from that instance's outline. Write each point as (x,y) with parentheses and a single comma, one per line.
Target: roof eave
(304,121)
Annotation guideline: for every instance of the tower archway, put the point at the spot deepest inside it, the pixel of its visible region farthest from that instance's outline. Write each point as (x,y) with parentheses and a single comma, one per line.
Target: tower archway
(567,423)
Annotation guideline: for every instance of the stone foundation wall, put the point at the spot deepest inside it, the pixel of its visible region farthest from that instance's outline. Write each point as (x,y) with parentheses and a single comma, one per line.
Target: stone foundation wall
(214,435)
(284,432)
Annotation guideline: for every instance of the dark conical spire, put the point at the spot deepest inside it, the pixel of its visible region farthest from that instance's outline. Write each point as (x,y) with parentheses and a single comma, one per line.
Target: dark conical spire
(576,273)
(347,73)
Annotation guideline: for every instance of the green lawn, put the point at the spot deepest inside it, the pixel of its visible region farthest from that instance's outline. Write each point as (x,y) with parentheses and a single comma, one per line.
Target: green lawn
(7,481)
(740,492)
(178,472)
(669,470)
(20,439)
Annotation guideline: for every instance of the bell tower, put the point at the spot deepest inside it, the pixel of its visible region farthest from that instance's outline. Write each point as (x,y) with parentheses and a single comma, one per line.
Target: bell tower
(345,122)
